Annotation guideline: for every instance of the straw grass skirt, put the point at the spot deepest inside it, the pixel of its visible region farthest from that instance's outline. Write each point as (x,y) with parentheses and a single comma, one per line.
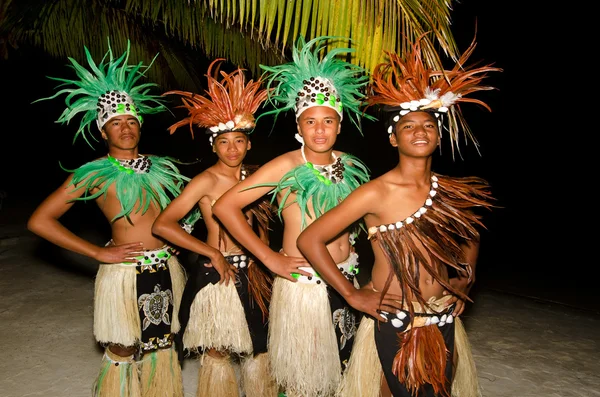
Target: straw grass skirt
(302,345)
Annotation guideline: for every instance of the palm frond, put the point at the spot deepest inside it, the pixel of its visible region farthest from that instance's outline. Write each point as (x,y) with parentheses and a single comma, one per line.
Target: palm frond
(246,32)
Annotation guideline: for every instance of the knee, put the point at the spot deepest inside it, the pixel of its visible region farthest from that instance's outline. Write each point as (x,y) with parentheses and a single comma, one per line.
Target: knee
(122,350)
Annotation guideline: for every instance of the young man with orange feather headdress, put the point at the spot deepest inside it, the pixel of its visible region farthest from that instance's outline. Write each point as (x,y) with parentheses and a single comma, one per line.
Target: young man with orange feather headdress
(420,224)
(224,306)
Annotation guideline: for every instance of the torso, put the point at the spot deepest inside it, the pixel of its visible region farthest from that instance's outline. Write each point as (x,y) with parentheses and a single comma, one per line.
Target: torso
(292,219)
(218,184)
(389,209)
(122,231)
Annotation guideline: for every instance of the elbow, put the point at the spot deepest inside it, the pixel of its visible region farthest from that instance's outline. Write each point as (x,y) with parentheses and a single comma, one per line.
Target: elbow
(303,242)
(33,225)
(217,209)
(158,228)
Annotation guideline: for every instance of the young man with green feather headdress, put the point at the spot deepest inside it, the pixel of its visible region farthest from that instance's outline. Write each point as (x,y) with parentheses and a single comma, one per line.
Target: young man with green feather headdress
(311,328)
(139,282)
(224,309)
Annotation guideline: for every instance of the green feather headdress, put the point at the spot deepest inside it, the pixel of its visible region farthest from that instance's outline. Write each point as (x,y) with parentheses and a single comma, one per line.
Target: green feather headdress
(108,90)
(310,81)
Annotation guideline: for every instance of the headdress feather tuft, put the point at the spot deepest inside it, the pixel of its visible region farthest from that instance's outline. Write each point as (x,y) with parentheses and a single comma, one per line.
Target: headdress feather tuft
(230,104)
(108,90)
(407,85)
(311,81)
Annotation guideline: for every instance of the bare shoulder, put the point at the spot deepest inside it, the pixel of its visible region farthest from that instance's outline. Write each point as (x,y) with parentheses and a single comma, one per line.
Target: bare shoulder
(203,182)
(273,170)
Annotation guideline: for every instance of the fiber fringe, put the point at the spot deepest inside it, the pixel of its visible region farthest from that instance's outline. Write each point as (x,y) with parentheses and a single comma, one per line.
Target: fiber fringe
(118,377)
(216,377)
(302,346)
(364,373)
(217,321)
(256,377)
(178,279)
(116,315)
(161,374)
(465,382)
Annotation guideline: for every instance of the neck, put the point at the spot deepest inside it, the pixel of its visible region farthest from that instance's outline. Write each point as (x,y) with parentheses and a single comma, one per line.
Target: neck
(323,158)
(228,170)
(123,154)
(418,170)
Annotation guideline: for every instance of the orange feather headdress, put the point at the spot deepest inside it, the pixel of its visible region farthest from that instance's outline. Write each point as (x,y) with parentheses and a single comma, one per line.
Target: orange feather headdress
(407,85)
(229,106)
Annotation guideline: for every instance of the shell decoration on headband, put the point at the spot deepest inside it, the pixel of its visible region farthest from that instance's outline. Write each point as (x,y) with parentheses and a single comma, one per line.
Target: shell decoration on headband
(407,85)
(106,90)
(310,81)
(229,105)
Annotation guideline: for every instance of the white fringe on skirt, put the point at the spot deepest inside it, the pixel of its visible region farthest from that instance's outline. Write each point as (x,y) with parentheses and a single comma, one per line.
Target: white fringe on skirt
(302,345)
(217,321)
(116,312)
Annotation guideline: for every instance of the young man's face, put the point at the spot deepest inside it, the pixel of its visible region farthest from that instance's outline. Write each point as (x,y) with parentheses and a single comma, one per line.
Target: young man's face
(122,132)
(319,127)
(416,134)
(231,147)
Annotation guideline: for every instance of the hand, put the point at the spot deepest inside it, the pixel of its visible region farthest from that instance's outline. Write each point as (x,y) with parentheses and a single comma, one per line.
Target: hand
(369,301)
(226,270)
(460,284)
(122,253)
(284,266)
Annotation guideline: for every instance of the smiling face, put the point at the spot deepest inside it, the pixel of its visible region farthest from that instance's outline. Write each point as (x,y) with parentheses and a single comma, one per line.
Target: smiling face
(416,134)
(122,132)
(231,147)
(319,127)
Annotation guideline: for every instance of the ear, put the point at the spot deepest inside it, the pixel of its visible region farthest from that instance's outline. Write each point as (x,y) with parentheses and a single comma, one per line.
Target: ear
(393,140)
(104,136)
(249,145)
(339,128)
(298,128)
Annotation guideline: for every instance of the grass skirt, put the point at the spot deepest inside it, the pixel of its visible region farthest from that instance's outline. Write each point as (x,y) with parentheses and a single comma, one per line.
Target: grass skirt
(302,344)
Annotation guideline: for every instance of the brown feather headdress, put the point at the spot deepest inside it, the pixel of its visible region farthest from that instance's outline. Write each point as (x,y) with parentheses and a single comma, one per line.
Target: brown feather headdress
(407,85)
(229,106)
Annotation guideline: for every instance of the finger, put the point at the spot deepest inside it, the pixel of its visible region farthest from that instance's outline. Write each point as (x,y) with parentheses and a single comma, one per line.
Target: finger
(303,272)
(381,316)
(289,277)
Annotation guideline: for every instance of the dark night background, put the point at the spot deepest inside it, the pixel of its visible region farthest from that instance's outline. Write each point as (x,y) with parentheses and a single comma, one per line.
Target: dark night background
(531,246)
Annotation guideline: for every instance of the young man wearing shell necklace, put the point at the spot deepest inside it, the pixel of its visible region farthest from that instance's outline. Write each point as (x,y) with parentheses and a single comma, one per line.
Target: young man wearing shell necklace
(224,308)
(421,225)
(139,282)
(311,329)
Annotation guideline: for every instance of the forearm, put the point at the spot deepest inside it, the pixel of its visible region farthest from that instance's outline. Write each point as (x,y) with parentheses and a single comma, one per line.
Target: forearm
(316,253)
(172,232)
(54,231)
(237,226)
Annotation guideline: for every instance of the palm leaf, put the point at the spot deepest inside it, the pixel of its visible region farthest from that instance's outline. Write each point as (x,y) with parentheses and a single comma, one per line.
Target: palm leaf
(246,32)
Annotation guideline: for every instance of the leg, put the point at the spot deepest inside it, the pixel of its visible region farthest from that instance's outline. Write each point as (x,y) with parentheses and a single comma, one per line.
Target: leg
(257,378)
(216,376)
(118,375)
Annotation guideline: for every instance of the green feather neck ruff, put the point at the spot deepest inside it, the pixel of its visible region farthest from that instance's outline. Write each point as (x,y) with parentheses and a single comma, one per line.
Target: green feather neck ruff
(325,185)
(145,180)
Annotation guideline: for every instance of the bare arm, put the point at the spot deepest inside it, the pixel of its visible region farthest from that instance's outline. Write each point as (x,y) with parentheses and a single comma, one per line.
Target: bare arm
(313,245)
(45,223)
(167,226)
(463,282)
(229,209)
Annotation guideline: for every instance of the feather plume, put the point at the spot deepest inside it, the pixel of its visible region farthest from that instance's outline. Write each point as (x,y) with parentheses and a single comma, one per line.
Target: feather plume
(230,102)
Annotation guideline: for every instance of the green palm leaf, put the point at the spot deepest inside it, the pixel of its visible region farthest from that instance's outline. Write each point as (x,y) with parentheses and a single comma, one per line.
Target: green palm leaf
(246,32)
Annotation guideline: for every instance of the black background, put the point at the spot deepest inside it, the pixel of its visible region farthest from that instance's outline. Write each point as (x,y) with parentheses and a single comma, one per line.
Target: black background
(533,244)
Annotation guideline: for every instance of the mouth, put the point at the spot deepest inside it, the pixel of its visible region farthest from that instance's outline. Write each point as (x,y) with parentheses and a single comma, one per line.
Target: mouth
(320,141)
(420,142)
(127,136)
